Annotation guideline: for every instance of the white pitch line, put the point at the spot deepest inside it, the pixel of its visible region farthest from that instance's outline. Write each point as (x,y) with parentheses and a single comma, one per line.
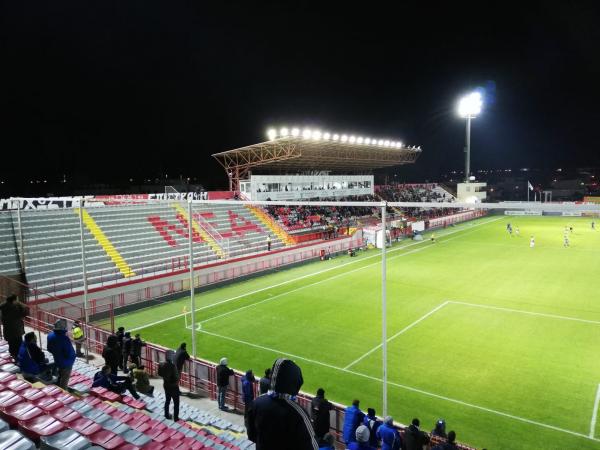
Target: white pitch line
(237,297)
(408,388)
(402,331)
(594,414)
(530,313)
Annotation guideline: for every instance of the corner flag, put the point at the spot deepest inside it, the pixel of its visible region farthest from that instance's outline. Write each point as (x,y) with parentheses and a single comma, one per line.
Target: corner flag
(529,186)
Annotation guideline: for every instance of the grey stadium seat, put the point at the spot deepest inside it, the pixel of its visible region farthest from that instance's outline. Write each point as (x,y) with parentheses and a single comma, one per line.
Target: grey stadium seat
(13,440)
(65,440)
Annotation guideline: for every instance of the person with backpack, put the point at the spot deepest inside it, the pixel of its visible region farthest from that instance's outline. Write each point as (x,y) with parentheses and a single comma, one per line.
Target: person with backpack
(372,423)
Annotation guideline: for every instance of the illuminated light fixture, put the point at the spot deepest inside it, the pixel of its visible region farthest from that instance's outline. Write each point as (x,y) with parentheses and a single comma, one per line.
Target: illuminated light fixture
(470,105)
(316,135)
(306,134)
(352,139)
(380,142)
(386,143)
(359,140)
(295,132)
(367,141)
(398,144)
(335,137)
(326,136)
(271,134)
(344,138)
(283,132)
(392,143)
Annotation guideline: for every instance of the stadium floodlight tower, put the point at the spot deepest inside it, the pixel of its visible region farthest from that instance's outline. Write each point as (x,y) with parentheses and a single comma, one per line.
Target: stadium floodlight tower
(468,108)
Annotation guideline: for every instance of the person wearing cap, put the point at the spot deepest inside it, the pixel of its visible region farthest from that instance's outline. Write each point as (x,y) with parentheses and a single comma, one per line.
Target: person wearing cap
(13,327)
(450,444)
(372,423)
(440,429)
(63,352)
(319,414)
(414,438)
(362,436)
(389,435)
(168,371)
(223,374)
(78,337)
(275,420)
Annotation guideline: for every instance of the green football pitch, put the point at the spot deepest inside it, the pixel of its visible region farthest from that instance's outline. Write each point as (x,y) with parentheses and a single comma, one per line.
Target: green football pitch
(499,339)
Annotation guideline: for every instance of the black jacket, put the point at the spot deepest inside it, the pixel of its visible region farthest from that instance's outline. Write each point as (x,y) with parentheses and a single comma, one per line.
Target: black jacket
(181,356)
(319,413)
(13,314)
(415,439)
(445,446)
(223,374)
(127,341)
(170,376)
(275,420)
(264,385)
(136,347)
(111,355)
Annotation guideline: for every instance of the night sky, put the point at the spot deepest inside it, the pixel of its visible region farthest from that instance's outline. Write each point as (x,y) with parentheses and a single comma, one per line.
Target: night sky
(111,90)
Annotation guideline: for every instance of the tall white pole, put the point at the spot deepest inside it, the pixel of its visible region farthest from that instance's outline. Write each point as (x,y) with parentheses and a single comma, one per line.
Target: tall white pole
(21,246)
(468,149)
(191,259)
(84,273)
(384,311)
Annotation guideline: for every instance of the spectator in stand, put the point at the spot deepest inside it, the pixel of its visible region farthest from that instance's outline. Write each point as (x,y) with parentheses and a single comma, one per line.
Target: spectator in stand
(450,444)
(361,441)
(327,442)
(265,382)
(248,390)
(136,350)
(353,417)
(32,361)
(13,327)
(120,337)
(414,438)
(63,352)
(168,371)
(181,356)
(319,414)
(112,354)
(268,242)
(275,420)
(372,423)
(78,337)
(223,374)
(104,378)
(142,380)
(440,429)
(389,435)
(126,349)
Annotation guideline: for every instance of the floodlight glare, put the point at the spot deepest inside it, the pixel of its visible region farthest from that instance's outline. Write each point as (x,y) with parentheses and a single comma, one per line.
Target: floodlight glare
(380,142)
(271,134)
(336,137)
(326,136)
(386,143)
(352,139)
(367,141)
(295,132)
(283,132)
(316,135)
(359,140)
(344,138)
(306,134)
(470,105)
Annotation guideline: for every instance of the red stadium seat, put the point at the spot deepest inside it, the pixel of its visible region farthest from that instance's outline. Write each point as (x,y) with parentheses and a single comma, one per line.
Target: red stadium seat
(6,377)
(17,385)
(8,399)
(192,444)
(92,401)
(32,394)
(130,401)
(52,390)
(138,416)
(40,426)
(22,411)
(48,404)
(84,426)
(65,398)
(153,446)
(65,414)
(128,446)
(106,439)
(105,394)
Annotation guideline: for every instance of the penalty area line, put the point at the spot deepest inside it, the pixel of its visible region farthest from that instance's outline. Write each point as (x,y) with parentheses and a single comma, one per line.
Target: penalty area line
(594,414)
(410,388)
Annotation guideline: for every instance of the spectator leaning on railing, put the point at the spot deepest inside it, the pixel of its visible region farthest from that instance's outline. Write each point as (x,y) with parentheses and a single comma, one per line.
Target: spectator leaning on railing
(13,327)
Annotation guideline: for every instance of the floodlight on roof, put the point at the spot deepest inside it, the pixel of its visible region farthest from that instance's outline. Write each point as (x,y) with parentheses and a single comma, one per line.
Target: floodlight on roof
(335,137)
(295,132)
(386,143)
(344,138)
(326,136)
(271,133)
(380,142)
(307,133)
(470,105)
(283,132)
(352,139)
(359,140)
(367,141)
(316,135)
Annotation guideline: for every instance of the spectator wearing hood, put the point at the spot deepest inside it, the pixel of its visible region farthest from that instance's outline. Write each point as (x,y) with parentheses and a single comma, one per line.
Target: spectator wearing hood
(120,337)
(275,420)
(168,371)
(361,441)
(372,423)
(13,327)
(181,356)
(440,429)
(31,359)
(136,350)
(414,438)
(223,374)
(265,382)
(248,390)
(126,351)
(112,353)
(63,352)
(104,378)
(319,414)
(353,417)
(389,435)
(450,444)
(327,442)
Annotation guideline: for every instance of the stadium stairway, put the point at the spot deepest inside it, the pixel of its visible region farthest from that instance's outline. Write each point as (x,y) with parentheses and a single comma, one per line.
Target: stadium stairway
(201,230)
(9,257)
(46,417)
(271,224)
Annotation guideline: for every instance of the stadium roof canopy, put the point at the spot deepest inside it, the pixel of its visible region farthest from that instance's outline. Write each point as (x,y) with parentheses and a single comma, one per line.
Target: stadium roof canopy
(293,154)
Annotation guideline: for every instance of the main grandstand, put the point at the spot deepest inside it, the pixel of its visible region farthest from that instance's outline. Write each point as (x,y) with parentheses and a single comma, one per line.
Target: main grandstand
(286,263)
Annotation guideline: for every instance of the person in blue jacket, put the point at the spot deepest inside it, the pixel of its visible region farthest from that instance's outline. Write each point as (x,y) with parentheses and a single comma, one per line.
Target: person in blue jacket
(389,435)
(62,349)
(362,440)
(32,361)
(248,390)
(104,378)
(353,417)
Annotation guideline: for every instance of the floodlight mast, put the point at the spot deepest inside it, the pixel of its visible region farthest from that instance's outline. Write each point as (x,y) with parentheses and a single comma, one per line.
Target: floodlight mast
(468,108)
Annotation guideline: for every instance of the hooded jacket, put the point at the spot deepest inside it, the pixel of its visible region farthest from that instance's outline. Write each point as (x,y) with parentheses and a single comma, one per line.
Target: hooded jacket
(61,348)
(390,437)
(112,352)
(223,374)
(13,314)
(169,374)
(275,420)
(31,358)
(353,417)
(248,387)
